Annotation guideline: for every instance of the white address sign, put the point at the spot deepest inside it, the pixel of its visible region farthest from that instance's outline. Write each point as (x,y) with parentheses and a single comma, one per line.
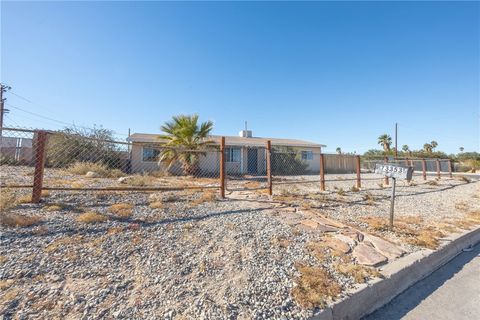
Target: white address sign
(394,171)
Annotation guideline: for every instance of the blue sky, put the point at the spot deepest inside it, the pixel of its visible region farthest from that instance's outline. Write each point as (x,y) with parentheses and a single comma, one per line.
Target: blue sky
(338,73)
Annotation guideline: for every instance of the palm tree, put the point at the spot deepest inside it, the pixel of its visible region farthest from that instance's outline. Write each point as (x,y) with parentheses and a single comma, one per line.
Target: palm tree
(427,147)
(185,141)
(434,144)
(461,149)
(386,141)
(339,150)
(405,148)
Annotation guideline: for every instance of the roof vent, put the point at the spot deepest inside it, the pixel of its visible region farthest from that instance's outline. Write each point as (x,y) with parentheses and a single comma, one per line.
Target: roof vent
(245,133)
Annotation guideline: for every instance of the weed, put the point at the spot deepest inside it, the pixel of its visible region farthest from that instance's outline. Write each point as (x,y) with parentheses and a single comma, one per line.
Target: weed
(7,199)
(55,207)
(315,287)
(81,168)
(432,183)
(252,185)
(354,189)
(123,210)
(17,220)
(359,273)
(207,196)
(156,205)
(115,230)
(426,238)
(141,181)
(24,199)
(341,192)
(91,217)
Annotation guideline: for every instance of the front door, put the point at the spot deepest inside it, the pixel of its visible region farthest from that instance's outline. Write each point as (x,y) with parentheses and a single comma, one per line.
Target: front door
(252,157)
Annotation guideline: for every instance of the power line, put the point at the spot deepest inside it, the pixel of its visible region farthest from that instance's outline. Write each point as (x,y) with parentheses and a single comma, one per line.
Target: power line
(58,121)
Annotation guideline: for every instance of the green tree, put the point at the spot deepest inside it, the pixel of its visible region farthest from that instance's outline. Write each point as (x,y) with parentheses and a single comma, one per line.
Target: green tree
(339,150)
(428,147)
(405,148)
(185,140)
(385,141)
(461,149)
(434,144)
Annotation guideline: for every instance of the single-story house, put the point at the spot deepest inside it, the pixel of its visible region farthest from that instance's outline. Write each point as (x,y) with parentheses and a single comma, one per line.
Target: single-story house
(244,154)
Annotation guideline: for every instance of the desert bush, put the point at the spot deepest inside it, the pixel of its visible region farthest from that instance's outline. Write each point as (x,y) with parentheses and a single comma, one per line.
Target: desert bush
(81,168)
(75,145)
(17,220)
(286,161)
(123,210)
(91,217)
(315,287)
(141,181)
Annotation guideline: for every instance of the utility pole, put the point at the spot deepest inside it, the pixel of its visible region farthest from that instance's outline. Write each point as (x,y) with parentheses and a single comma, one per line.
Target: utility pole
(396,140)
(3,88)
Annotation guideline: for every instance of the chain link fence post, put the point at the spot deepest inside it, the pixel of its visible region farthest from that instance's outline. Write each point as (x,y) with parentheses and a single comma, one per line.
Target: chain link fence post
(450,168)
(322,172)
(385,180)
(39,158)
(438,169)
(222,168)
(269,167)
(424,169)
(359,181)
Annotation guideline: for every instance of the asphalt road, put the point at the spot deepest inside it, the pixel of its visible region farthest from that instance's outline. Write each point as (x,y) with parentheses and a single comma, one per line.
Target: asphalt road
(451,292)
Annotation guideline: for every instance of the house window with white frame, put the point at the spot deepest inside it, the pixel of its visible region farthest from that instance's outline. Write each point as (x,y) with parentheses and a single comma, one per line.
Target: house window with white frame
(150,154)
(232,154)
(307,155)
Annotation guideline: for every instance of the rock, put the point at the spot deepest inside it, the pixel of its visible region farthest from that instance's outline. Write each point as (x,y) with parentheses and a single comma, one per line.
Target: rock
(346,239)
(386,248)
(368,256)
(309,223)
(122,179)
(337,245)
(328,222)
(92,174)
(353,234)
(324,228)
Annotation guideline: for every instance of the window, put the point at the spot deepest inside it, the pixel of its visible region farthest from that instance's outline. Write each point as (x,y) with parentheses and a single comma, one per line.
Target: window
(150,154)
(307,155)
(232,154)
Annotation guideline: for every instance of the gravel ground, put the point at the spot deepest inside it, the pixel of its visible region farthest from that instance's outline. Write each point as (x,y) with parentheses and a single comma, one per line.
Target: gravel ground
(221,259)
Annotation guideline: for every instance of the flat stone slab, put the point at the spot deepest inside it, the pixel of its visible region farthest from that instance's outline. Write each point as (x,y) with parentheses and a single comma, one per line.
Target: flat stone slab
(337,245)
(328,222)
(309,223)
(368,256)
(346,239)
(386,248)
(353,234)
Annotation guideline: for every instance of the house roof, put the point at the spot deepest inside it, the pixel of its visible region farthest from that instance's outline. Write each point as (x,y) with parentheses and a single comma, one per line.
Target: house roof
(234,141)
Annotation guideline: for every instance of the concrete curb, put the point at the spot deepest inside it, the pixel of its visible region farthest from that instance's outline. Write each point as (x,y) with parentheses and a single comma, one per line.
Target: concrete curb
(399,276)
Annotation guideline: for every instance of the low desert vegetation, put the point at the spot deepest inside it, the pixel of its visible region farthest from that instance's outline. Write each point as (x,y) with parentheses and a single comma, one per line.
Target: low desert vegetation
(359,273)
(354,189)
(141,180)
(17,220)
(122,210)
(81,168)
(7,199)
(206,196)
(315,287)
(91,217)
(156,205)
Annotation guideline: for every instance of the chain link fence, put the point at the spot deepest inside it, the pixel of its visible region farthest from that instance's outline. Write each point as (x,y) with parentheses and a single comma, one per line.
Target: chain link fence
(59,160)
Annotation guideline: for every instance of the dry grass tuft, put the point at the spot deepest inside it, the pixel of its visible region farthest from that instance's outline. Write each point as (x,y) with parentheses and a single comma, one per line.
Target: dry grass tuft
(341,192)
(315,287)
(81,168)
(123,210)
(17,220)
(426,238)
(24,199)
(55,207)
(207,196)
(354,189)
(432,183)
(369,198)
(252,185)
(115,230)
(141,181)
(464,179)
(156,205)
(7,199)
(91,217)
(359,273)
(5,284)
(318,250)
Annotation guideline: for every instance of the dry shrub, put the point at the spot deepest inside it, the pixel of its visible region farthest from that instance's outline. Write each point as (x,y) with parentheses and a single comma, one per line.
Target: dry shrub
(7,199)
(115,230)
(24,199)
(91,217)
(425,238)
(252,185)
(141,181)
(369,198)
(382,224)
(446,227)
(81,168)
(359,273)
(315,287)
(18,220)
(411,220)
(432,183)
(78,184)
(55,207)
(341,192)
(318,250)
(464,179)
(156,205)
(207,196)
(123,210)
(45,193)
(354,189)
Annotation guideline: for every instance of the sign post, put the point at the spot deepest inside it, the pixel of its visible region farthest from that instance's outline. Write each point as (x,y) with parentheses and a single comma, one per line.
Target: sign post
(395,172)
